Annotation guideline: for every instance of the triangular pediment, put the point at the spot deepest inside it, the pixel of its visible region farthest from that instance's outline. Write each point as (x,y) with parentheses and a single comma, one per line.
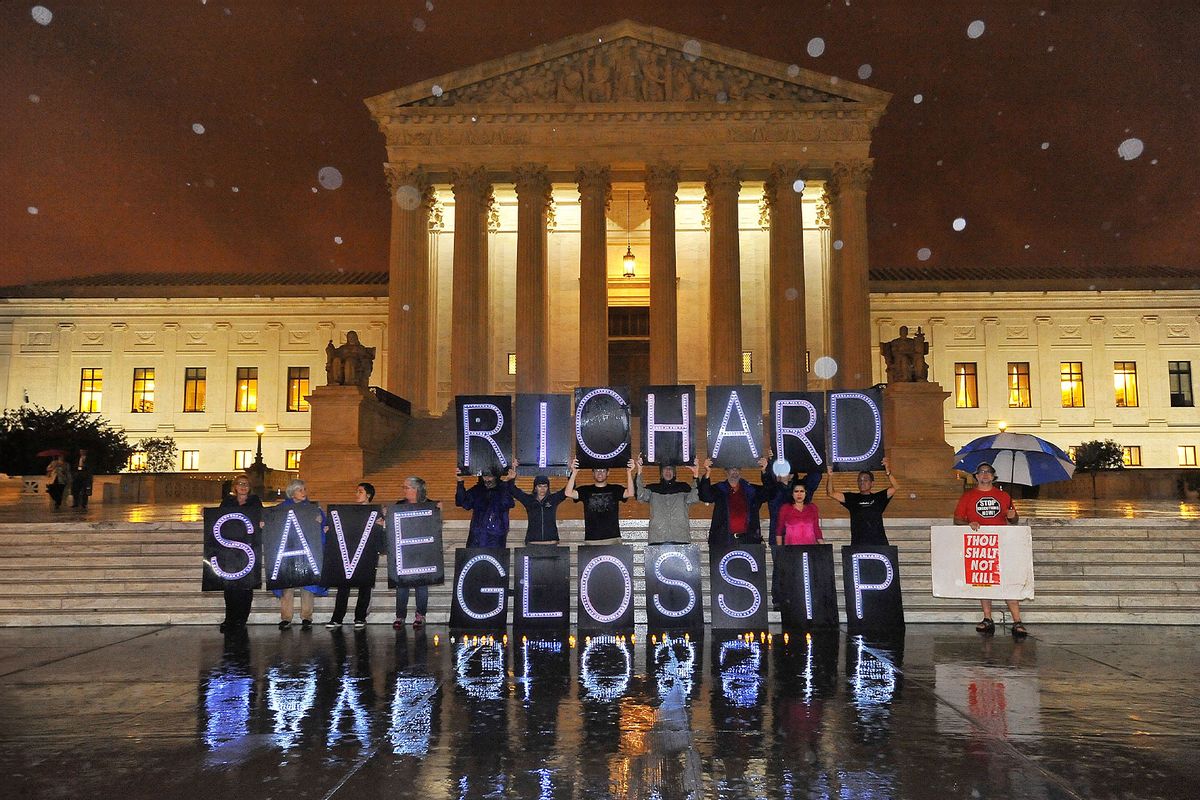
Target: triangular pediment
(631,64)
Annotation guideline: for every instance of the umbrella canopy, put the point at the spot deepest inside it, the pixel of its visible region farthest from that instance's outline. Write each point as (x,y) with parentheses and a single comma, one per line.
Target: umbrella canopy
(51,453)
(1018,458)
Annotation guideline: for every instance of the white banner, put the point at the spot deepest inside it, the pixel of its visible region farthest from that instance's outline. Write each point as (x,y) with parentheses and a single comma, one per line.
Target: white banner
(992,563)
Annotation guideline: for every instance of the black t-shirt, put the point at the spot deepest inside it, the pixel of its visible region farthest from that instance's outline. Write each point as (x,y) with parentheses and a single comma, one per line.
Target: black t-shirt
(601,514)
(866,518)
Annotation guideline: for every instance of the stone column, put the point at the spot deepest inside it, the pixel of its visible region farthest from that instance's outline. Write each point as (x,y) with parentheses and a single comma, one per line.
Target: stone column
(595,193)
(662,181)
(470,342)
(533,303)
(851,307)
(724,276)
(409,299)
(787,329)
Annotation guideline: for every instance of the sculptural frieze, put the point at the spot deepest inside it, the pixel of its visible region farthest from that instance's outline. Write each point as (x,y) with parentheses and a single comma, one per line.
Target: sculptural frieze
(629,71)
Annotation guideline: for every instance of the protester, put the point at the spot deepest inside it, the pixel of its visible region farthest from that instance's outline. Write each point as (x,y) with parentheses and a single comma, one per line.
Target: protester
(58,479)
(987,504)
(541,508)
(799,521)
(866,507)
(669,500)
(735,506)
(778,489)
(489,501)
(601,512)
(414,492)
(364,493)
(238,601)
(81,481)
(297,495)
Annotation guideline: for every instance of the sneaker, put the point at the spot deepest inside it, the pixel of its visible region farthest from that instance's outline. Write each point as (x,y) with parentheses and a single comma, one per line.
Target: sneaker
(359,624)
(418,620)
(306,624)
(397,624)
(333,626)
(284,624)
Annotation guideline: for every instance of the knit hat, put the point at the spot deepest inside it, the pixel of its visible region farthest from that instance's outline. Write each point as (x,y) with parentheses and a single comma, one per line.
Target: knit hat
(541,480)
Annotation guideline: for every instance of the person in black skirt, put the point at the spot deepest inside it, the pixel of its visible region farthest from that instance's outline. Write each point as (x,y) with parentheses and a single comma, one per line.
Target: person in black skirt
(237,601)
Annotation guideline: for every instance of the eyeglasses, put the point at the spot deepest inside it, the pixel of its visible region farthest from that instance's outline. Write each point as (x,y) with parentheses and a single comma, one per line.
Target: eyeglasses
(984,472)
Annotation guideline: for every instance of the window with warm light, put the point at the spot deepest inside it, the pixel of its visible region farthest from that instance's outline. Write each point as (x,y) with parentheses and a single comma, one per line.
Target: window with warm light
(297,389)
(966,385)
(1187,455)
(91,388)
(1180,376)
(195,388)
(1018,384)
(1125,383)
(1131,455)
(143,390)
(1071,374)
(189,460)
(1072,451)
(247,389)
(242,459)
(293,459)
(512,363)
(747,362)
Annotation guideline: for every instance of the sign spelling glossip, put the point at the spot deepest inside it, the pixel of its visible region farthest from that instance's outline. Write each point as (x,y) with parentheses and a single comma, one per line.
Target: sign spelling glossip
(292,545)
(480,588)
(738,578)
(605,588)
(543,590)
(871,583)
(807,593)
(484,425)
(602,426)
(674,600)
(232,549)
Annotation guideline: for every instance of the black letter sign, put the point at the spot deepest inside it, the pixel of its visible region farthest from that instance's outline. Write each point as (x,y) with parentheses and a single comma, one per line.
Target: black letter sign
(232,549)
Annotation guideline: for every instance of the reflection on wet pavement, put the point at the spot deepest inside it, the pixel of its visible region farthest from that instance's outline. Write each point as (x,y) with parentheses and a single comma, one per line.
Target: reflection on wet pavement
(1075,711)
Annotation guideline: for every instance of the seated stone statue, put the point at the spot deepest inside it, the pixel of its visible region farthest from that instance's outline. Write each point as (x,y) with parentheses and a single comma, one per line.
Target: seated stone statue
(905,357)
(350,364)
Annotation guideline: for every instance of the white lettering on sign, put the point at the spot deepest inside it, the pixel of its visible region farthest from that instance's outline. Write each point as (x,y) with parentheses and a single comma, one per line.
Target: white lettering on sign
(487,436)
(245,548)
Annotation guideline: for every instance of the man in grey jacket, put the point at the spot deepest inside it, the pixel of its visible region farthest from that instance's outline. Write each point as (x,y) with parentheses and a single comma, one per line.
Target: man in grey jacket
(669,500)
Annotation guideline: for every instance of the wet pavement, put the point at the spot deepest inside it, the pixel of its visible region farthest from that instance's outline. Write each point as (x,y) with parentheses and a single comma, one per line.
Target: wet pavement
(1072,712)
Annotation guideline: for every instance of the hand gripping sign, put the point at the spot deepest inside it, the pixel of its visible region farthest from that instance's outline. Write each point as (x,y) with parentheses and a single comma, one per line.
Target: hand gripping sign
(484,432)
(668,432)
(293,545)
(602,421)
(232,549)
(414,544)
(544,434)
(871,583)
(992,563)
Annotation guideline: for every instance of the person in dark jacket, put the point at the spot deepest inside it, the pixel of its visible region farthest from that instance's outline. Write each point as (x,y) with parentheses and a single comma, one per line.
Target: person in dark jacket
(81,480)
(735,506)
(238,601)
(541,507)
(415,491)
(489,501)
(364,494)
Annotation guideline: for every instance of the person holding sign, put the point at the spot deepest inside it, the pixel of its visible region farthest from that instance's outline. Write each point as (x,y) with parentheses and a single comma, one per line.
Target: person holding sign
(238,601)
(297,494)
(735,506)
(489,501)
(414,492)
(669,500)
(987,504)
(364,494)
(799,521)
(601,514)
(865,507)
(778,480)
(541,508)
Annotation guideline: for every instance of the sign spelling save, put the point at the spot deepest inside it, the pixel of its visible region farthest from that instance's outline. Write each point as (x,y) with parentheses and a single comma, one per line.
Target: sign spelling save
(981,558)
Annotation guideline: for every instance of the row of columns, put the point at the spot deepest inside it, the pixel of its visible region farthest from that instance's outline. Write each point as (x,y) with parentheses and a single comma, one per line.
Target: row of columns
(411,332)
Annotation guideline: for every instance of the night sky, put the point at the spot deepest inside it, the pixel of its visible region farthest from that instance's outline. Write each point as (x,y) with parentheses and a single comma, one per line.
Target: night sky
(184,135)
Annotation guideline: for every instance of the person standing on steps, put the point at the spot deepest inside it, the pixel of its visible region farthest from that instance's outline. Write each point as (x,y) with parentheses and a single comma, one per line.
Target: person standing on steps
(541,507)
(987,504)
(866,507)
(364,494)
(601,509)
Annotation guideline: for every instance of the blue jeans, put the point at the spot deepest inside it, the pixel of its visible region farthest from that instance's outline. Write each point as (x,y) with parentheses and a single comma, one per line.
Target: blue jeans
(402,601)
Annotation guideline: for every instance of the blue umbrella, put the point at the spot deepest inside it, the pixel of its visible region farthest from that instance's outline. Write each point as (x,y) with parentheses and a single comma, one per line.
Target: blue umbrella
(1017,458)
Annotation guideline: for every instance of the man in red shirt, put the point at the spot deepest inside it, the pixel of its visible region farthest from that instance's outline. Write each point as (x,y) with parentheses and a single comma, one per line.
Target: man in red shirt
(988,505)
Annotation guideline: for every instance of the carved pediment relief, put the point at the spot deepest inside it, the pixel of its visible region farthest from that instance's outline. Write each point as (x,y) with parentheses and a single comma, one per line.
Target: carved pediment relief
(1017,332)
(1176,331)
(628,71)
(964,331)
(1069,331)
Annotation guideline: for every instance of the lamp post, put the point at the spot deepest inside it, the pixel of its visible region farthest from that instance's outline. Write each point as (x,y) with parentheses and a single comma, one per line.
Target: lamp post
(258,459)
(1002,425)
(258,470)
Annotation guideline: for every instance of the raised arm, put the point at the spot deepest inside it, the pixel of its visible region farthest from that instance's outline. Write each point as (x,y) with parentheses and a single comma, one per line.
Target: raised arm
(461,498)
(640,491)
(569,489)
(631,471)
(893,484)
(829,492)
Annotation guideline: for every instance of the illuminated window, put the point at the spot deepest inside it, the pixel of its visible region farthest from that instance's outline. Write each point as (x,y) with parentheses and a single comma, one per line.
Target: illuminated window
(143,390)
(1072,384)
(247,389)
(1072,451)
(138,461)
(512,363)
(242,459)
(297,389)
(1187,455)
(966,385)
(1131,455)
(293,459)
(1018,384)
(747,362)
(189,460)
(1125,383)
(195,380)
(1180,373)
(91,386)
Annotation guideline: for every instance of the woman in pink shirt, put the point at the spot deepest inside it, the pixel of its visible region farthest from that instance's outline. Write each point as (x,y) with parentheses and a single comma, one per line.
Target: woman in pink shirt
(799,522)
